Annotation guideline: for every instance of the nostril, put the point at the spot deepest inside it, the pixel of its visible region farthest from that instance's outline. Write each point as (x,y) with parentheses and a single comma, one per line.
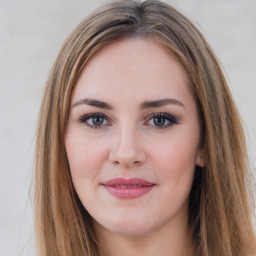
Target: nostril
(116,162)
(132,163)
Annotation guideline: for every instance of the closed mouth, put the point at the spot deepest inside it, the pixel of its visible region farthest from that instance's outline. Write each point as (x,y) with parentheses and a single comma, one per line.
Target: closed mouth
(128,188)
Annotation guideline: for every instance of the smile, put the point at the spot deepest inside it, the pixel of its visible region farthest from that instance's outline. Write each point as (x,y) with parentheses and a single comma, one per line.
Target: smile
(128,188)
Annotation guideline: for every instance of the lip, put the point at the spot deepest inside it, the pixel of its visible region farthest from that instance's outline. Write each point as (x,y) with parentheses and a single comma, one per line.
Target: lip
(128,188)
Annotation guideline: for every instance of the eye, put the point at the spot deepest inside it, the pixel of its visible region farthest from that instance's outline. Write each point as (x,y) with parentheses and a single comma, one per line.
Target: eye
(95,120)
(161,120)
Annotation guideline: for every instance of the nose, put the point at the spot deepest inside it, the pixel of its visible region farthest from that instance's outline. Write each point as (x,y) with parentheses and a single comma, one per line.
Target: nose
(126,150)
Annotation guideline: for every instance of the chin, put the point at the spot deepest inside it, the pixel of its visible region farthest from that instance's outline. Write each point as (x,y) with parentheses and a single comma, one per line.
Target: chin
(126,226)
(132,229)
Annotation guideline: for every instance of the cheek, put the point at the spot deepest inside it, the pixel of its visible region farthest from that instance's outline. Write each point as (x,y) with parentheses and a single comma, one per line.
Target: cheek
(85,156)
(176,158)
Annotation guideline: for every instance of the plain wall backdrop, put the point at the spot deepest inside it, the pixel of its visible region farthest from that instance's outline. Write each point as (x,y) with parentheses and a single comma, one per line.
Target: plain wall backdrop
(31,34)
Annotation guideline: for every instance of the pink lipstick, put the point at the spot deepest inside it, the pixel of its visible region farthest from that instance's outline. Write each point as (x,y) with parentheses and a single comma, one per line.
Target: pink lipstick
(128,188)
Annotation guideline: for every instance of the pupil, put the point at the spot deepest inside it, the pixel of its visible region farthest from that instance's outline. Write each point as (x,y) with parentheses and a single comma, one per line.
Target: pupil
(97,120)
(159,121)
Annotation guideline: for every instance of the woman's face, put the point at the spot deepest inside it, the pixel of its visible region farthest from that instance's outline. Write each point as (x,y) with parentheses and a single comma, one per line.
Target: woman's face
(132,139)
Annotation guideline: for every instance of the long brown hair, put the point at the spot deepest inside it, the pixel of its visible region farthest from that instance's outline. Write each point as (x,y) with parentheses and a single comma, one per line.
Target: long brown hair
(219,206)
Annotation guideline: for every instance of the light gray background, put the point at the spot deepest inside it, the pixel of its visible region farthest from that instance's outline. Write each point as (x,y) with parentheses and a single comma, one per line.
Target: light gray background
(31,33)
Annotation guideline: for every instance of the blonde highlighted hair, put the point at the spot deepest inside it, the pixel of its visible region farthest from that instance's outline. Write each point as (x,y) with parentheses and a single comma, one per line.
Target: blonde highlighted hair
(220,217)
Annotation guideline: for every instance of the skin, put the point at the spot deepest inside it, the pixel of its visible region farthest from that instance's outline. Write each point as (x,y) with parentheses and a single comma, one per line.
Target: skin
(128,143)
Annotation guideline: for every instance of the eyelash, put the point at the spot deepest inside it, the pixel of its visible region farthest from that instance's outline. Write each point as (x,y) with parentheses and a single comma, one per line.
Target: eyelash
(167,117)
(85,118)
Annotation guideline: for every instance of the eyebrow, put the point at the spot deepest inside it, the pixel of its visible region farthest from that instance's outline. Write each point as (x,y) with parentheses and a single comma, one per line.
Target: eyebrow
(94,103)
(144,105)
(160,103)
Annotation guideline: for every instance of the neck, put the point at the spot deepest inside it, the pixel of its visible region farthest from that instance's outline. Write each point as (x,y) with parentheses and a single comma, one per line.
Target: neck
(170,241)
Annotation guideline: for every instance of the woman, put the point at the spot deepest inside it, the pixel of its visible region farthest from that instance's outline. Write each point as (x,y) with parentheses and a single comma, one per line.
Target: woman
(140,149)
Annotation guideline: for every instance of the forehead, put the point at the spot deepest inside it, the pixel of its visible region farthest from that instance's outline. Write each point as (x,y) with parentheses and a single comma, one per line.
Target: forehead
(129,67)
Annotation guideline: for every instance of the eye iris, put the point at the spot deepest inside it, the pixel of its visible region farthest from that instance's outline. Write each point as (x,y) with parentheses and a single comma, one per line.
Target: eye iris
(97,120)
(159,121)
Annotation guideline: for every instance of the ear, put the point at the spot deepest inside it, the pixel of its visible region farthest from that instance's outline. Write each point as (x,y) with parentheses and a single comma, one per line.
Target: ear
(200,158)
